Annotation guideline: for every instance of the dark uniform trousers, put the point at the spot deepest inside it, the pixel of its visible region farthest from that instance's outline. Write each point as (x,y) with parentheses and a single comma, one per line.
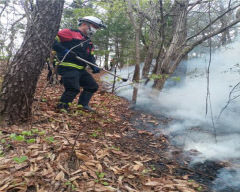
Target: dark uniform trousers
(72,80)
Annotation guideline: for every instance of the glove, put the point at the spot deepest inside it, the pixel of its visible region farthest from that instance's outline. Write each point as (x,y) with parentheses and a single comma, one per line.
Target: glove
(95,69)
(70,54)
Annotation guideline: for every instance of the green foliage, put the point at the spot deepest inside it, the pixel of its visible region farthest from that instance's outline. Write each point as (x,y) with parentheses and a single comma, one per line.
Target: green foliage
(20,159)
(145,171)
(27,133)
(42,133)
(34,130)
(44,100)
(31,140)
(100,179)
(100,175)
(50,139)
(160,76)
(176,78)
(15,137)
(63,111)
(115,148)
(153,167)
(94,134)
(105,183)
(19,138)
(69,183)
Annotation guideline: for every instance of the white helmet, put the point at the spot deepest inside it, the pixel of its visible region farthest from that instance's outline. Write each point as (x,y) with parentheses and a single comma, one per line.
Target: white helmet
(93,20)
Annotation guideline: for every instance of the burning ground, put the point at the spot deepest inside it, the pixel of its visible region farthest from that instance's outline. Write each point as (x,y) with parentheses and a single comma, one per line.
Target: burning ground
(208,139)
(81,151)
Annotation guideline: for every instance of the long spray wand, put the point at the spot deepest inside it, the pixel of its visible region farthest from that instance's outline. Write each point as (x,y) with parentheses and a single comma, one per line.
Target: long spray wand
(123,79)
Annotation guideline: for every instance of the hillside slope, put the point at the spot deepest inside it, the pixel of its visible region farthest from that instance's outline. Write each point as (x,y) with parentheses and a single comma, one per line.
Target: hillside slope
(81,151)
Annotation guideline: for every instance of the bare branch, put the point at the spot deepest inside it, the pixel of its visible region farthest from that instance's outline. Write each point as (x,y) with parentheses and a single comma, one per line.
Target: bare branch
(192,5)
(215,33)
(4,7)
(13,32)
(208,96)
(145,15)
(129,10)
(212,22)
(229,3)
(229,99)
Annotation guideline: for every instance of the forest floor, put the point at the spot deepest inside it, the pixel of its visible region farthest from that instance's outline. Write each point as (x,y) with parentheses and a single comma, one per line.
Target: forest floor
(86,151)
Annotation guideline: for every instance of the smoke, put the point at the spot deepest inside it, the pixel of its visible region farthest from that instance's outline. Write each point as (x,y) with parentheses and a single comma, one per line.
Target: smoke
(228,179)
(185,101)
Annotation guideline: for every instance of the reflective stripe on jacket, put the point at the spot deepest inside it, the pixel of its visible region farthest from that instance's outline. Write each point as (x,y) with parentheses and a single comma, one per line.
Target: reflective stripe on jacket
(67,64)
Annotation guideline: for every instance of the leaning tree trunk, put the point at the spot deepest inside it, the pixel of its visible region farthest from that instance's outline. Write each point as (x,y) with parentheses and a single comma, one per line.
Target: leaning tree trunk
(173,54)
(20,81)
(148,60)
(181,46)
(151,48)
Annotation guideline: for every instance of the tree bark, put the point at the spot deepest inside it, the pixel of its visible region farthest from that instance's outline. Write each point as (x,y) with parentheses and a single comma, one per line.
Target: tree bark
(20,81)
(150,50)
(153,41)
(137,23)
(178,48)
(106,55)
(171,57)
(148,61)
(136,75)
(117,51)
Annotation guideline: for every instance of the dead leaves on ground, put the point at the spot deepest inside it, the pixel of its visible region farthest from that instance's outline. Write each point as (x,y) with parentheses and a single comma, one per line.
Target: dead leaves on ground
(96,164)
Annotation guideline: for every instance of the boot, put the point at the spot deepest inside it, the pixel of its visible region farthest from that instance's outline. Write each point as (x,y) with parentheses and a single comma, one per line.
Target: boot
(84,100)
(63,106)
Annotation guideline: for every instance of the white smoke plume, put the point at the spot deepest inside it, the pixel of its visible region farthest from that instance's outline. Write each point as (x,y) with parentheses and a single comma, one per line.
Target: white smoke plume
(186,102)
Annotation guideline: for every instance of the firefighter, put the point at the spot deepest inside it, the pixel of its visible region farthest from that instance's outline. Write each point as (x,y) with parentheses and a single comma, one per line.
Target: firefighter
(73,70)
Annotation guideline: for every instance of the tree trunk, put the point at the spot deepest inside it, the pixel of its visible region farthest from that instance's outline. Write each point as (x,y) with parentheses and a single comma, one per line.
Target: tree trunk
(121,61)
(173,54)
(114,79)
(157,64)
(137,23)
(150,52)
(20,81)
(106,55)
(136,75)
(117,53)
(148,61)
(179,47)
